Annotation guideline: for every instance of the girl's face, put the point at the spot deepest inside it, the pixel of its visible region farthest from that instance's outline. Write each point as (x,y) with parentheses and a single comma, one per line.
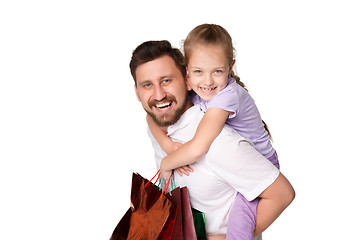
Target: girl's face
(208,70)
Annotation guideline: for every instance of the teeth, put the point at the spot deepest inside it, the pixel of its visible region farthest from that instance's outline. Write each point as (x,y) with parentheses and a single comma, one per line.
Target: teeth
(163,105)
(207,89)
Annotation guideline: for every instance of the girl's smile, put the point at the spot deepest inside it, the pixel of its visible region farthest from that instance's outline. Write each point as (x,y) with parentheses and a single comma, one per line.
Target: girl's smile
(208,70)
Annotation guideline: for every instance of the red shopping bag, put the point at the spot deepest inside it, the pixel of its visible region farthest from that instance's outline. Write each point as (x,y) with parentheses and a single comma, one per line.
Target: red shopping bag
(148,215)
(155,215)
(184,227)
(189,231)
(173,227)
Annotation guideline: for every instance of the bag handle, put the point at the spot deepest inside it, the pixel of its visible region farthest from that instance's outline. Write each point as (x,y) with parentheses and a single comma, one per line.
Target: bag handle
(166,187)
(158,176)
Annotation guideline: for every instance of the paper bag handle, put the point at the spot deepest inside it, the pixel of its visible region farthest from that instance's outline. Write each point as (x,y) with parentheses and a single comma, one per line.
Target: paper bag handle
(158,176)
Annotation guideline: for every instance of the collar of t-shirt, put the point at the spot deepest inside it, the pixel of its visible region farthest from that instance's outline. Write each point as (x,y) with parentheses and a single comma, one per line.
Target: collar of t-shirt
(191,116)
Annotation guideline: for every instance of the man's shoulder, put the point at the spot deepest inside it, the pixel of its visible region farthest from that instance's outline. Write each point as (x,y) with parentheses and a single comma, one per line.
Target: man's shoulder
(232,135)
(189,116)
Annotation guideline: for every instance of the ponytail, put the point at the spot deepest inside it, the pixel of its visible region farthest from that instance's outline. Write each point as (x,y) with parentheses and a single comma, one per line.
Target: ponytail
(237,79)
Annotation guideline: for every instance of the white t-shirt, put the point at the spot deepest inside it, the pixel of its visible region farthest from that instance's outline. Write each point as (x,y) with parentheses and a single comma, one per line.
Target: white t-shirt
(231,165)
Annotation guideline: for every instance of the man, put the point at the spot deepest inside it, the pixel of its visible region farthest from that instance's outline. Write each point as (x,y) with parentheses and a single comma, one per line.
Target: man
(232,163)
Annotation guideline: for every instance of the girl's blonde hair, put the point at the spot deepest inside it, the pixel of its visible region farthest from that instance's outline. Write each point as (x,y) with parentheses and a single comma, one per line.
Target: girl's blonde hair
(212,34)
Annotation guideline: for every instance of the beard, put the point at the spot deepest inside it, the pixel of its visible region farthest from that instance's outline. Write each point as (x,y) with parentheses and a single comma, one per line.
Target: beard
(167,119)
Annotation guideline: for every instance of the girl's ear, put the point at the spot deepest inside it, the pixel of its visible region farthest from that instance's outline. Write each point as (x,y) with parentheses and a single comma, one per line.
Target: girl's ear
(231,66)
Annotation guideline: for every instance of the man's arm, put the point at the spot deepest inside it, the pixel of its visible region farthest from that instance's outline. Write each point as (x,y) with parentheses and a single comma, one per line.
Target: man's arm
(274,200)
(165,142)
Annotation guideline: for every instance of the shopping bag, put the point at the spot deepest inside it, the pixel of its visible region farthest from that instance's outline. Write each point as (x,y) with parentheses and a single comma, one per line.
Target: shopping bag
(183,222)
(122,229)
(190,224)
(173,227)
(199,222)
(148,215)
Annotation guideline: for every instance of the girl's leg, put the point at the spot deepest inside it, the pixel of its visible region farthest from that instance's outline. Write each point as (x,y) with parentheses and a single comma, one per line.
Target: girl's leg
(274,160)
(242,217)
(214,237)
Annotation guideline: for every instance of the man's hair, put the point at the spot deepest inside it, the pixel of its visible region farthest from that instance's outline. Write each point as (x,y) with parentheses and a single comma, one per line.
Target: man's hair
(152,50)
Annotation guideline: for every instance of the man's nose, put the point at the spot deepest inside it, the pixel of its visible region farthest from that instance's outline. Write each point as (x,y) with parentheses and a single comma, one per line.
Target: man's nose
(159,93)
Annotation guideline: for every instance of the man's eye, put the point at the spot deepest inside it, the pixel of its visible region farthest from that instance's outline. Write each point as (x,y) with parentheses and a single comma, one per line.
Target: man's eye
(166,81)
(146,85)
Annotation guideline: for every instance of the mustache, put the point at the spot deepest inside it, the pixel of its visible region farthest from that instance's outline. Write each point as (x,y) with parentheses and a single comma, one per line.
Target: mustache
(167,98)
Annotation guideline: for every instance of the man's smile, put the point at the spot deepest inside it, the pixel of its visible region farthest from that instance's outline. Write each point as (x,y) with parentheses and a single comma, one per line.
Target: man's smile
(164,105)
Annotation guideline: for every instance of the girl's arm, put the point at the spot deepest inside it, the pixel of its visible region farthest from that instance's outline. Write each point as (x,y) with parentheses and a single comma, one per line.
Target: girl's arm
(274,200)
(164,141)
(209,128)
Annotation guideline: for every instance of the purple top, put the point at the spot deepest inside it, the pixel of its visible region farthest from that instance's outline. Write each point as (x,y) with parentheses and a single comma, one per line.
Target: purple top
(246,119)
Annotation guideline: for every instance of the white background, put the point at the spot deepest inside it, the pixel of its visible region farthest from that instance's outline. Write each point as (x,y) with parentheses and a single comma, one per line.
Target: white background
(72,131)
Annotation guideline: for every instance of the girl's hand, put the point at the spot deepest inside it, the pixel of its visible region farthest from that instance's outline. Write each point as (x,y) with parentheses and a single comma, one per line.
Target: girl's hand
(184,170)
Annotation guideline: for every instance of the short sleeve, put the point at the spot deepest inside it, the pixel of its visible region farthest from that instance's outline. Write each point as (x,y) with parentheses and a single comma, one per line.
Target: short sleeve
(226,99)
(242,167)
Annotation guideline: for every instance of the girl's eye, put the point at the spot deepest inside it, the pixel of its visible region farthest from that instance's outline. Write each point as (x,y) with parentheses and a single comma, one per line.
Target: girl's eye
(197,71)
(218,71)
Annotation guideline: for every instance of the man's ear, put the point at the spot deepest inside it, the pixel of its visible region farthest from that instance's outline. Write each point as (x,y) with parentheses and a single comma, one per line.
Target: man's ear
(136,93)
(187,80)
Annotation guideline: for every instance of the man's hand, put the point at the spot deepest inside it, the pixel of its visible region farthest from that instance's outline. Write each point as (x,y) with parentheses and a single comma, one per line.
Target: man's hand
(165,174)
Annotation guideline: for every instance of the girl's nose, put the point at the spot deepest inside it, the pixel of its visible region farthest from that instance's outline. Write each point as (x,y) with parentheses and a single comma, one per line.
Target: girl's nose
(208,81)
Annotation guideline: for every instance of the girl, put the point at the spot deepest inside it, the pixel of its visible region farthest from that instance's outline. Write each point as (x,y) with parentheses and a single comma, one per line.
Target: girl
(209,59)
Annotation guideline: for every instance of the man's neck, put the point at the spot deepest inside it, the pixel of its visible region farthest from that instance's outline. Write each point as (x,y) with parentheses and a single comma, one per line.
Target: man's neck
(188,105)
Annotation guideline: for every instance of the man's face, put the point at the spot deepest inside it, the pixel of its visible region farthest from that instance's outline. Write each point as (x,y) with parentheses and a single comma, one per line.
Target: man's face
(161,89)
